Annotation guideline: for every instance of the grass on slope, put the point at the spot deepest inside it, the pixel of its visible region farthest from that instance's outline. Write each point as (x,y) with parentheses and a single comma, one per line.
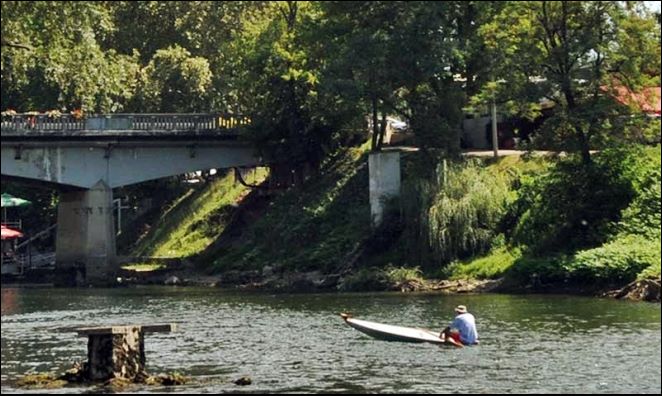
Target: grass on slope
(314,227)
(195,219)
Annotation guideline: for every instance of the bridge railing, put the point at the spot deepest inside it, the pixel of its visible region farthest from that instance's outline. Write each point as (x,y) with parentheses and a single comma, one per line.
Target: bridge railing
(121,122)
(41,122)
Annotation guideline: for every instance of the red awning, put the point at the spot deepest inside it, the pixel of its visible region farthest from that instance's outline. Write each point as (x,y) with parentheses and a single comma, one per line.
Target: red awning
(10,233)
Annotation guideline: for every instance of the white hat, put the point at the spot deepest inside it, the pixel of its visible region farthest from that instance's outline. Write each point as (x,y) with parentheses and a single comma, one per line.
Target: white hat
(461,309)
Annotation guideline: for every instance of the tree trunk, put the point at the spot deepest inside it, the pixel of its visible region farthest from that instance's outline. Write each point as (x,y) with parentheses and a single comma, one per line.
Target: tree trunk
(375,127)
(584,148)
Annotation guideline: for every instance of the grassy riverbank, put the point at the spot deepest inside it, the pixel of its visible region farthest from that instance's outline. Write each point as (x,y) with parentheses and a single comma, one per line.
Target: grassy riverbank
(469,219)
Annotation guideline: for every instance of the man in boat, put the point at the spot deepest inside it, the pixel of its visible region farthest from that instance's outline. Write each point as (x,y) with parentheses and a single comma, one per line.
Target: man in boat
(463,328)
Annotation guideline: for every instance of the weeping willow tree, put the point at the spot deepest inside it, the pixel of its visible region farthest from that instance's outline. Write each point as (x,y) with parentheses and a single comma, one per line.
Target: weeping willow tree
(456,214)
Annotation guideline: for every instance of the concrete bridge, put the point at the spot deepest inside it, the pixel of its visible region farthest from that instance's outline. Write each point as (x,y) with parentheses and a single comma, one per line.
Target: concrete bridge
(85,158)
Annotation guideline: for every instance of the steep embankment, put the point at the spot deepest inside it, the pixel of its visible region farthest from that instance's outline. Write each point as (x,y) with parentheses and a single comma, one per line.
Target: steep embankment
(195,219)
(283,239)
(315,227)
(459,222)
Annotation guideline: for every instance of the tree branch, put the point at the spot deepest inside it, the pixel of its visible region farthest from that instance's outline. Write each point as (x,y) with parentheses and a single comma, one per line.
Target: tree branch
(6,43)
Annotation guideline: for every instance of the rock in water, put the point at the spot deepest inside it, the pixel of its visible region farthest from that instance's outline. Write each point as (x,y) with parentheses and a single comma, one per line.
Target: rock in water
(243,381)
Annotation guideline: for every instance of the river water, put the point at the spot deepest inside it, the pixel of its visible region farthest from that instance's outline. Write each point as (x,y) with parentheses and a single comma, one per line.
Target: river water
(297,343)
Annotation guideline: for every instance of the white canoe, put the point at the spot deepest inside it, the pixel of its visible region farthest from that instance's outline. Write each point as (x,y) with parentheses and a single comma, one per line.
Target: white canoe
(393,333)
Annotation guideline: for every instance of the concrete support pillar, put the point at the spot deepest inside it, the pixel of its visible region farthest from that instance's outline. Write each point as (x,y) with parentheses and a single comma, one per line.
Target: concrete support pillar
(384,169)
(116,355)
(85,246)
(118,351)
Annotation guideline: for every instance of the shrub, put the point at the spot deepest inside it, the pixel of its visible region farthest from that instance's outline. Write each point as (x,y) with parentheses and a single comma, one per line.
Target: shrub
(403,274)
(492,266)
(642,217)
(619,261)
(575,206)
(541,270)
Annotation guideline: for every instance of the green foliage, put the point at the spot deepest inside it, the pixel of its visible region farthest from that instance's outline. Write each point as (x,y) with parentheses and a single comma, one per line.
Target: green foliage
(494,265)
(318,226)
(379,278)
(365,279)
(403,274)
(174,81)
(539,270)
(194,221)
(619,261)
(466,210)
(578,55)
(651,272)
(144,267)
(615,263)
(459,212)
(52,58)
(642,216)
(574,206)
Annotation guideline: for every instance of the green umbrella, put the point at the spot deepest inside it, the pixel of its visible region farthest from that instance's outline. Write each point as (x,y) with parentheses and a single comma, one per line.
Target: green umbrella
(9,200)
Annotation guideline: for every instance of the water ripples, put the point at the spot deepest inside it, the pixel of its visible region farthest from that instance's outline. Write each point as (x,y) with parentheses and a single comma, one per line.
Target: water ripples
(298,343)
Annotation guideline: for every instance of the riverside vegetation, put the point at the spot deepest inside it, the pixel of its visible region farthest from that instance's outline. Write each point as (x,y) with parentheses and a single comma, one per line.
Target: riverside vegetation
(534,223)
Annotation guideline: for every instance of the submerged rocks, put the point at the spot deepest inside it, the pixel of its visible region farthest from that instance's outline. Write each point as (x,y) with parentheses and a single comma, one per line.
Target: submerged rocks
(76,375)
(41,381)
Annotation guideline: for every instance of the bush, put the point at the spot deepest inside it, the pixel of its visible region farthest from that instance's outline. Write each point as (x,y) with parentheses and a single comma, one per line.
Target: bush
(537,269)
(642,217)
(492,266)
(575,206)
(403,274)
(619,261)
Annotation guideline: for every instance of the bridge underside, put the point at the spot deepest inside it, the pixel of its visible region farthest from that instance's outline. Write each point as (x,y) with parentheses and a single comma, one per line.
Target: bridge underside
(84,164)
(87,171)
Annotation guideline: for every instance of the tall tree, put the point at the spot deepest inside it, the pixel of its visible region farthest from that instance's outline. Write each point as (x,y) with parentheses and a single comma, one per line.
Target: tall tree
(574,54)
(52,58)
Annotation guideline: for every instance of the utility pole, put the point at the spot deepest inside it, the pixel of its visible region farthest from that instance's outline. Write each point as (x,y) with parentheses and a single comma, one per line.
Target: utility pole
(495,138)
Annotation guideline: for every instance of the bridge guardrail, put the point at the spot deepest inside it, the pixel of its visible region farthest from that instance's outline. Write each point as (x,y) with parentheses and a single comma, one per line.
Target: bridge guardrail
(29,122)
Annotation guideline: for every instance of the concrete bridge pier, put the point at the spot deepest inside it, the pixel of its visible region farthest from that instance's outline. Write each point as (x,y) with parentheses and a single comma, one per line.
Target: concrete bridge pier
(384,173)
(85,244)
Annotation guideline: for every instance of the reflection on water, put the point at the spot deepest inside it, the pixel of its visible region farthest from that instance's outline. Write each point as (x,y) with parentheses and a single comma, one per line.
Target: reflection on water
(298,343)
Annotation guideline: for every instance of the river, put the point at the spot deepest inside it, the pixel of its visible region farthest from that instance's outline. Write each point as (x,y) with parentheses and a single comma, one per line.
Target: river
(297,343)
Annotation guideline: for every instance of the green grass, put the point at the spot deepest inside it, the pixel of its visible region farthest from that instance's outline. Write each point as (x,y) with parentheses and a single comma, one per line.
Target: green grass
(313,227)
(492,266)
(195,220)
